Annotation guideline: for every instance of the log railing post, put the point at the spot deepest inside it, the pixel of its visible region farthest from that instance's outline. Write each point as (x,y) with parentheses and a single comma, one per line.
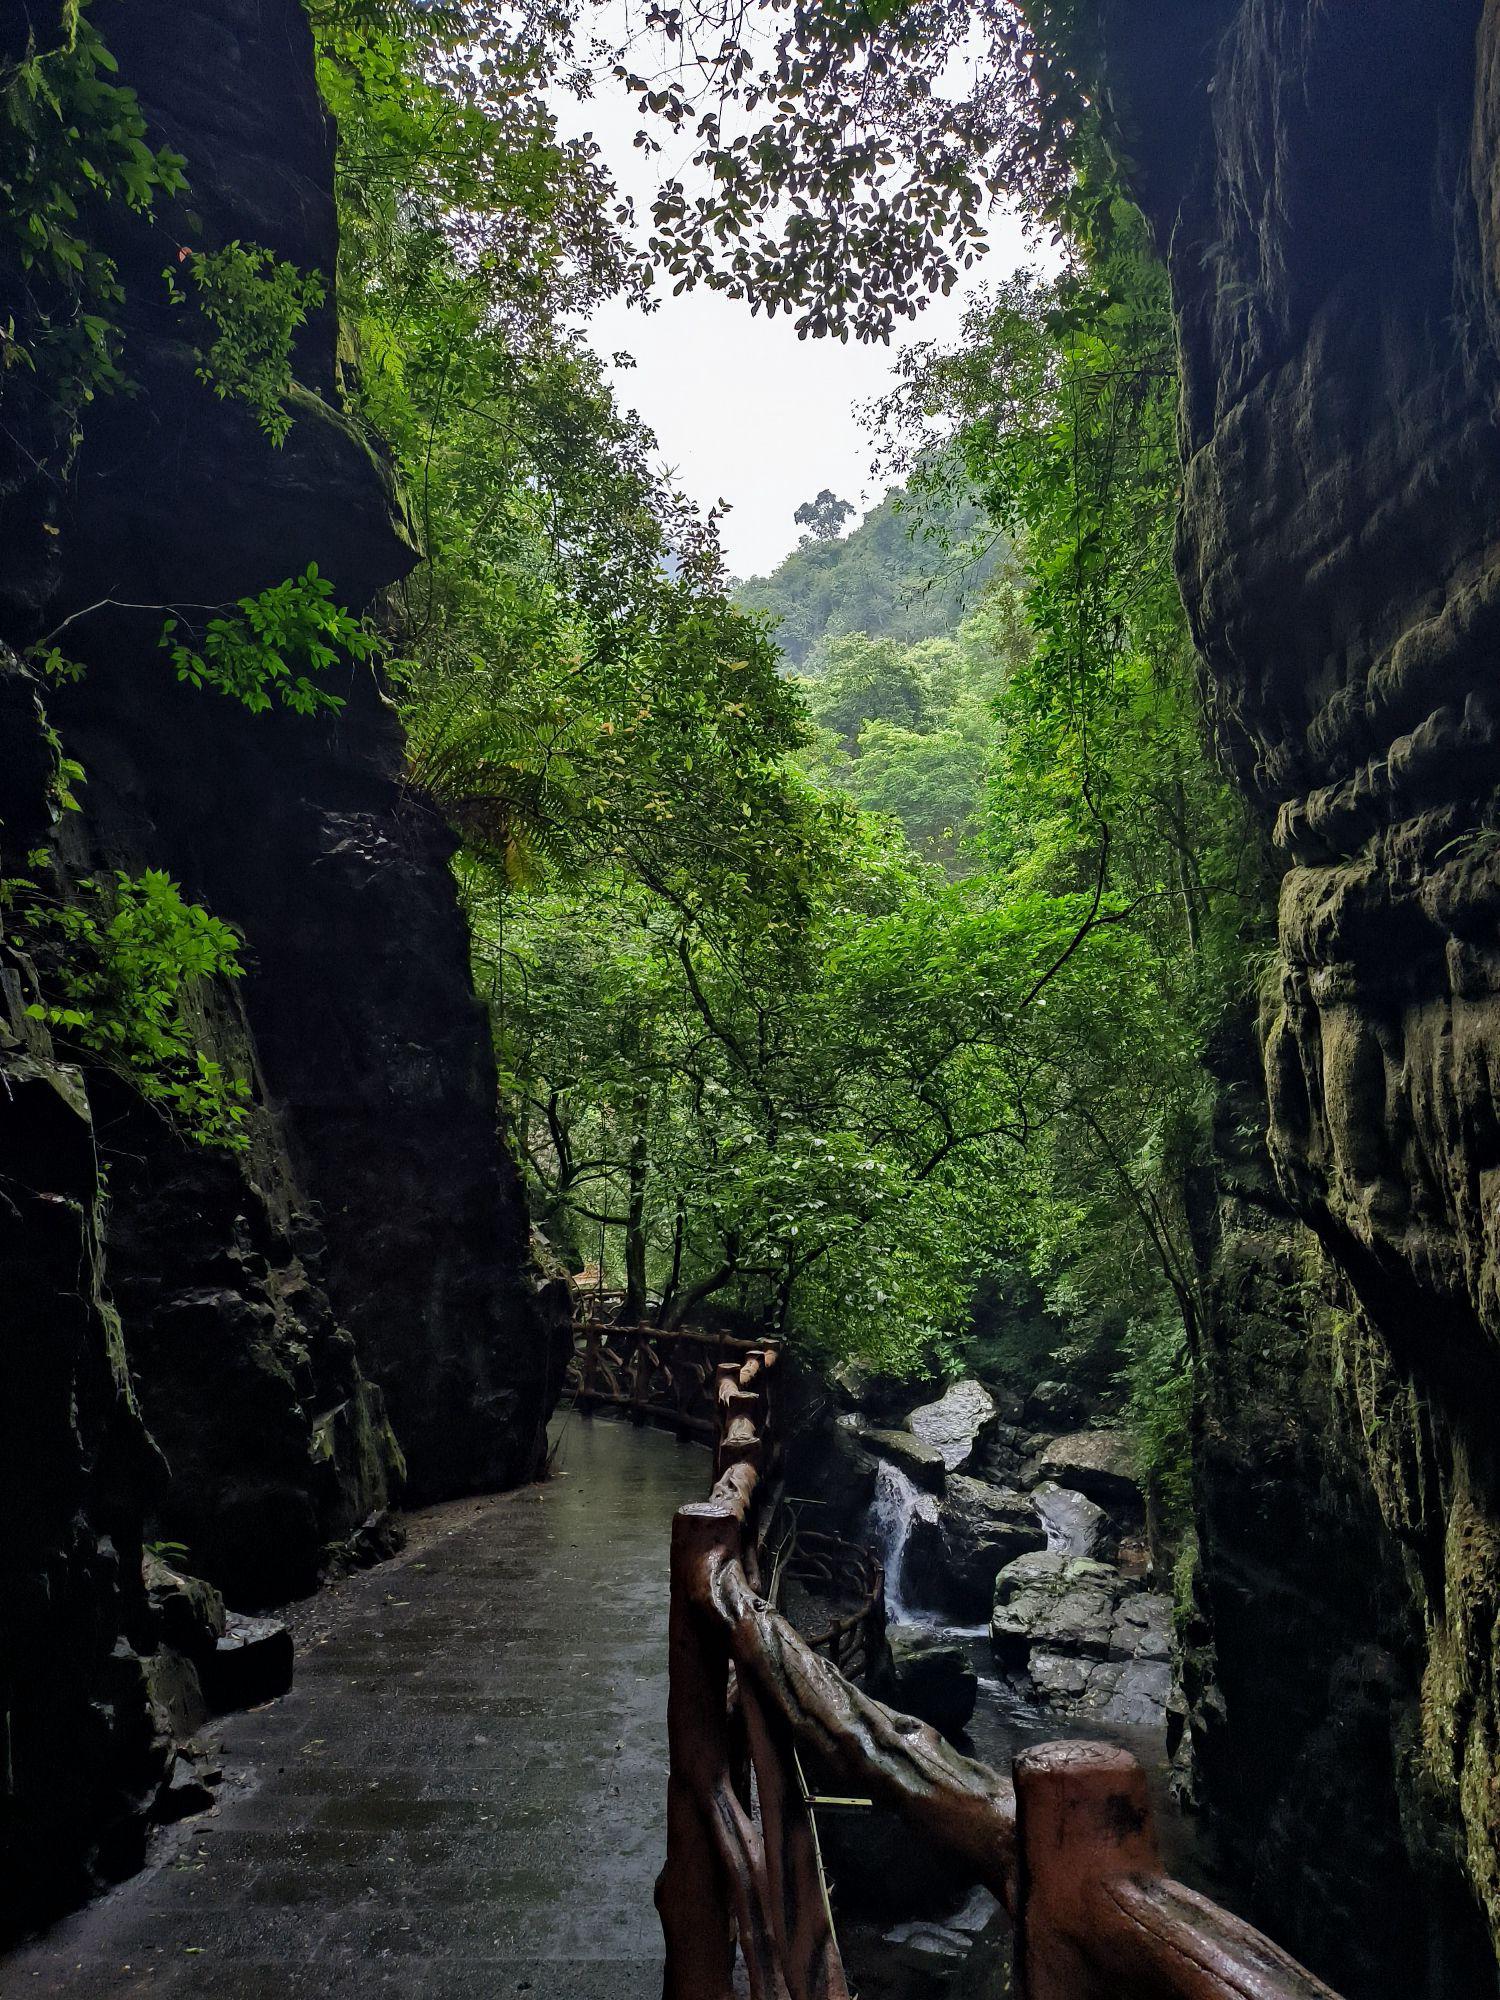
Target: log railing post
(807,1951)
(588,1383)
(692,1895)
(637,1379)
(1082,1817)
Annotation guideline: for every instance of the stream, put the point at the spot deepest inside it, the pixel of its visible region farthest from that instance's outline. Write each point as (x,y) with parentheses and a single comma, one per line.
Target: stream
(1008,1714)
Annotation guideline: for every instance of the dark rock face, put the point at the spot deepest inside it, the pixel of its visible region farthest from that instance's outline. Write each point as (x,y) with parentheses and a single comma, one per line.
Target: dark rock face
(366,1028)
(1302,1660)
(955,1551)
(277,1444)
(1324,180)
(222,1373)
(77,1469)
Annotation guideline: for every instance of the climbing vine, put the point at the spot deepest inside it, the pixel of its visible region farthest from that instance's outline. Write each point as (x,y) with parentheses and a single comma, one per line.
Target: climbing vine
(255,302)
(119,962)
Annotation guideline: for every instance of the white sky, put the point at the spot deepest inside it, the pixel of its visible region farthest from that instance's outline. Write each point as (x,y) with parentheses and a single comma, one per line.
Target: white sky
(744,410)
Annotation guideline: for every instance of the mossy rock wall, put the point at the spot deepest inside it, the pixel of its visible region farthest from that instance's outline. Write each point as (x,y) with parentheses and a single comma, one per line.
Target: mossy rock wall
(1322,180)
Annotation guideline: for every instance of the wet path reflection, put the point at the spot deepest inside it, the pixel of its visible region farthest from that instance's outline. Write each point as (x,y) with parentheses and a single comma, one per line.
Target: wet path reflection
(463,1795)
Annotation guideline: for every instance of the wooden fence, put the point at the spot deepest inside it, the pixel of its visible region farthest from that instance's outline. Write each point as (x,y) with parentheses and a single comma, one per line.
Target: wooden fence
(670,1379)
(1067,1844)
(650,1374)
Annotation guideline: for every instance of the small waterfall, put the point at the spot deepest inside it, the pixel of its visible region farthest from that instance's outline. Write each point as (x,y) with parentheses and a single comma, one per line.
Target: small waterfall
(895,1505)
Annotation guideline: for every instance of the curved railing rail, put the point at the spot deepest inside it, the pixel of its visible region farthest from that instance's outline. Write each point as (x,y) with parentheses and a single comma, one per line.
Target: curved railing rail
(651,1374)
(1068,1845)
(827,1566)
(668,1378)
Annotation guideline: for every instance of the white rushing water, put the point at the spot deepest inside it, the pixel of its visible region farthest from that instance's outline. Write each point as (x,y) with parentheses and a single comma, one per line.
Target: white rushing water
(895,1505)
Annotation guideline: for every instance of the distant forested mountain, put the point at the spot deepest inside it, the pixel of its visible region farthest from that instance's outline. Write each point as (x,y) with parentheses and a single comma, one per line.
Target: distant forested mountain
(902,574)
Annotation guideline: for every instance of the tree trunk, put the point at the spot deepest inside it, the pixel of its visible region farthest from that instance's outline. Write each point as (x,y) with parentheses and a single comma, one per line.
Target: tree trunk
(635,1214)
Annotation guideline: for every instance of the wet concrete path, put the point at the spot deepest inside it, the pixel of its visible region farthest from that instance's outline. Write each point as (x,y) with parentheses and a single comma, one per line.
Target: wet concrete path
(463,1796)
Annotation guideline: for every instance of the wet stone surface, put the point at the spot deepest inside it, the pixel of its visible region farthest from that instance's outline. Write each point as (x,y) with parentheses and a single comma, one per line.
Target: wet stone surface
(462,1797)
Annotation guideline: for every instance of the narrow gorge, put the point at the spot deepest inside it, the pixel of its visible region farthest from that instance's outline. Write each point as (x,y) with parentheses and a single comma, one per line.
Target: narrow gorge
(1016,968)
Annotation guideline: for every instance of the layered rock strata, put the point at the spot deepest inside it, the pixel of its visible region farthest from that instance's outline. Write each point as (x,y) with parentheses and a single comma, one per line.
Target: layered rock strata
(1323,180)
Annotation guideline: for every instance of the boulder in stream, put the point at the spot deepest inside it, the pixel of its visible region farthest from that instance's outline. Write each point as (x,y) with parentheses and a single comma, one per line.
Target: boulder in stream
(956,1423)
(1092,1641)
(922,1463)
(955,1551)
(1067,1603)
(930,1675)
(1075,1525)
(1101,1464)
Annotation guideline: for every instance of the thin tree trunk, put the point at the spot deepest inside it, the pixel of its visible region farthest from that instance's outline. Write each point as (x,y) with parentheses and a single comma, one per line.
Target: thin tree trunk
(635,1214)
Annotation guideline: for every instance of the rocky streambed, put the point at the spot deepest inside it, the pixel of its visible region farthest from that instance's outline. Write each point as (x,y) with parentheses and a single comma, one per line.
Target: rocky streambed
(988,1519)
(1021,1607)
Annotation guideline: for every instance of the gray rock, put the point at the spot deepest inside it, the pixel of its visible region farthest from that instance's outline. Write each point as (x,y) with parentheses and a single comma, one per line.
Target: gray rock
(1075,1525)
(1067,1604)
(1101,1464)
(954,1555)
(186,1790)
(1092,1641)
(1002,1454)
(1127,1693)
(1143,1626)
(922,1463)
(930,1676)
(956,1423)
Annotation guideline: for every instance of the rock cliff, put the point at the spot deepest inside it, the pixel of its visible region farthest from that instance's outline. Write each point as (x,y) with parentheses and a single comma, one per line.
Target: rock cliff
(1325,182)
(259,1338)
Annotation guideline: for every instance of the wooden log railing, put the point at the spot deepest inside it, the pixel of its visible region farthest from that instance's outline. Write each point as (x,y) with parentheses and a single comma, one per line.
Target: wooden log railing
(1068,1844)
(827,1566)
(670,1378)
(651,1374)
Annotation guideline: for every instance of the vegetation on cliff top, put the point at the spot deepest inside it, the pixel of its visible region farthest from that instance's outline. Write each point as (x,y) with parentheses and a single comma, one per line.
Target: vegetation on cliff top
(817,996)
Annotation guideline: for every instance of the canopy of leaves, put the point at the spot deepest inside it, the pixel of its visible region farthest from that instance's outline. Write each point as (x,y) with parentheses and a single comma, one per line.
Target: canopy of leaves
(906,572)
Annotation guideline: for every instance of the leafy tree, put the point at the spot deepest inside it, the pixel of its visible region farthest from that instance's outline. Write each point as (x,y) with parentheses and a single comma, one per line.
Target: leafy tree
(823,518)
(861,680)
(906,572)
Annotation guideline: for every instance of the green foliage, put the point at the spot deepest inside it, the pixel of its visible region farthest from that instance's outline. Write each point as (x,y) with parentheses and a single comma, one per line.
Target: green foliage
(847,162)
(121,962)
(257,656)
(255,302)
(905,573)
(1159,1379)
(862,680)
(73,144)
